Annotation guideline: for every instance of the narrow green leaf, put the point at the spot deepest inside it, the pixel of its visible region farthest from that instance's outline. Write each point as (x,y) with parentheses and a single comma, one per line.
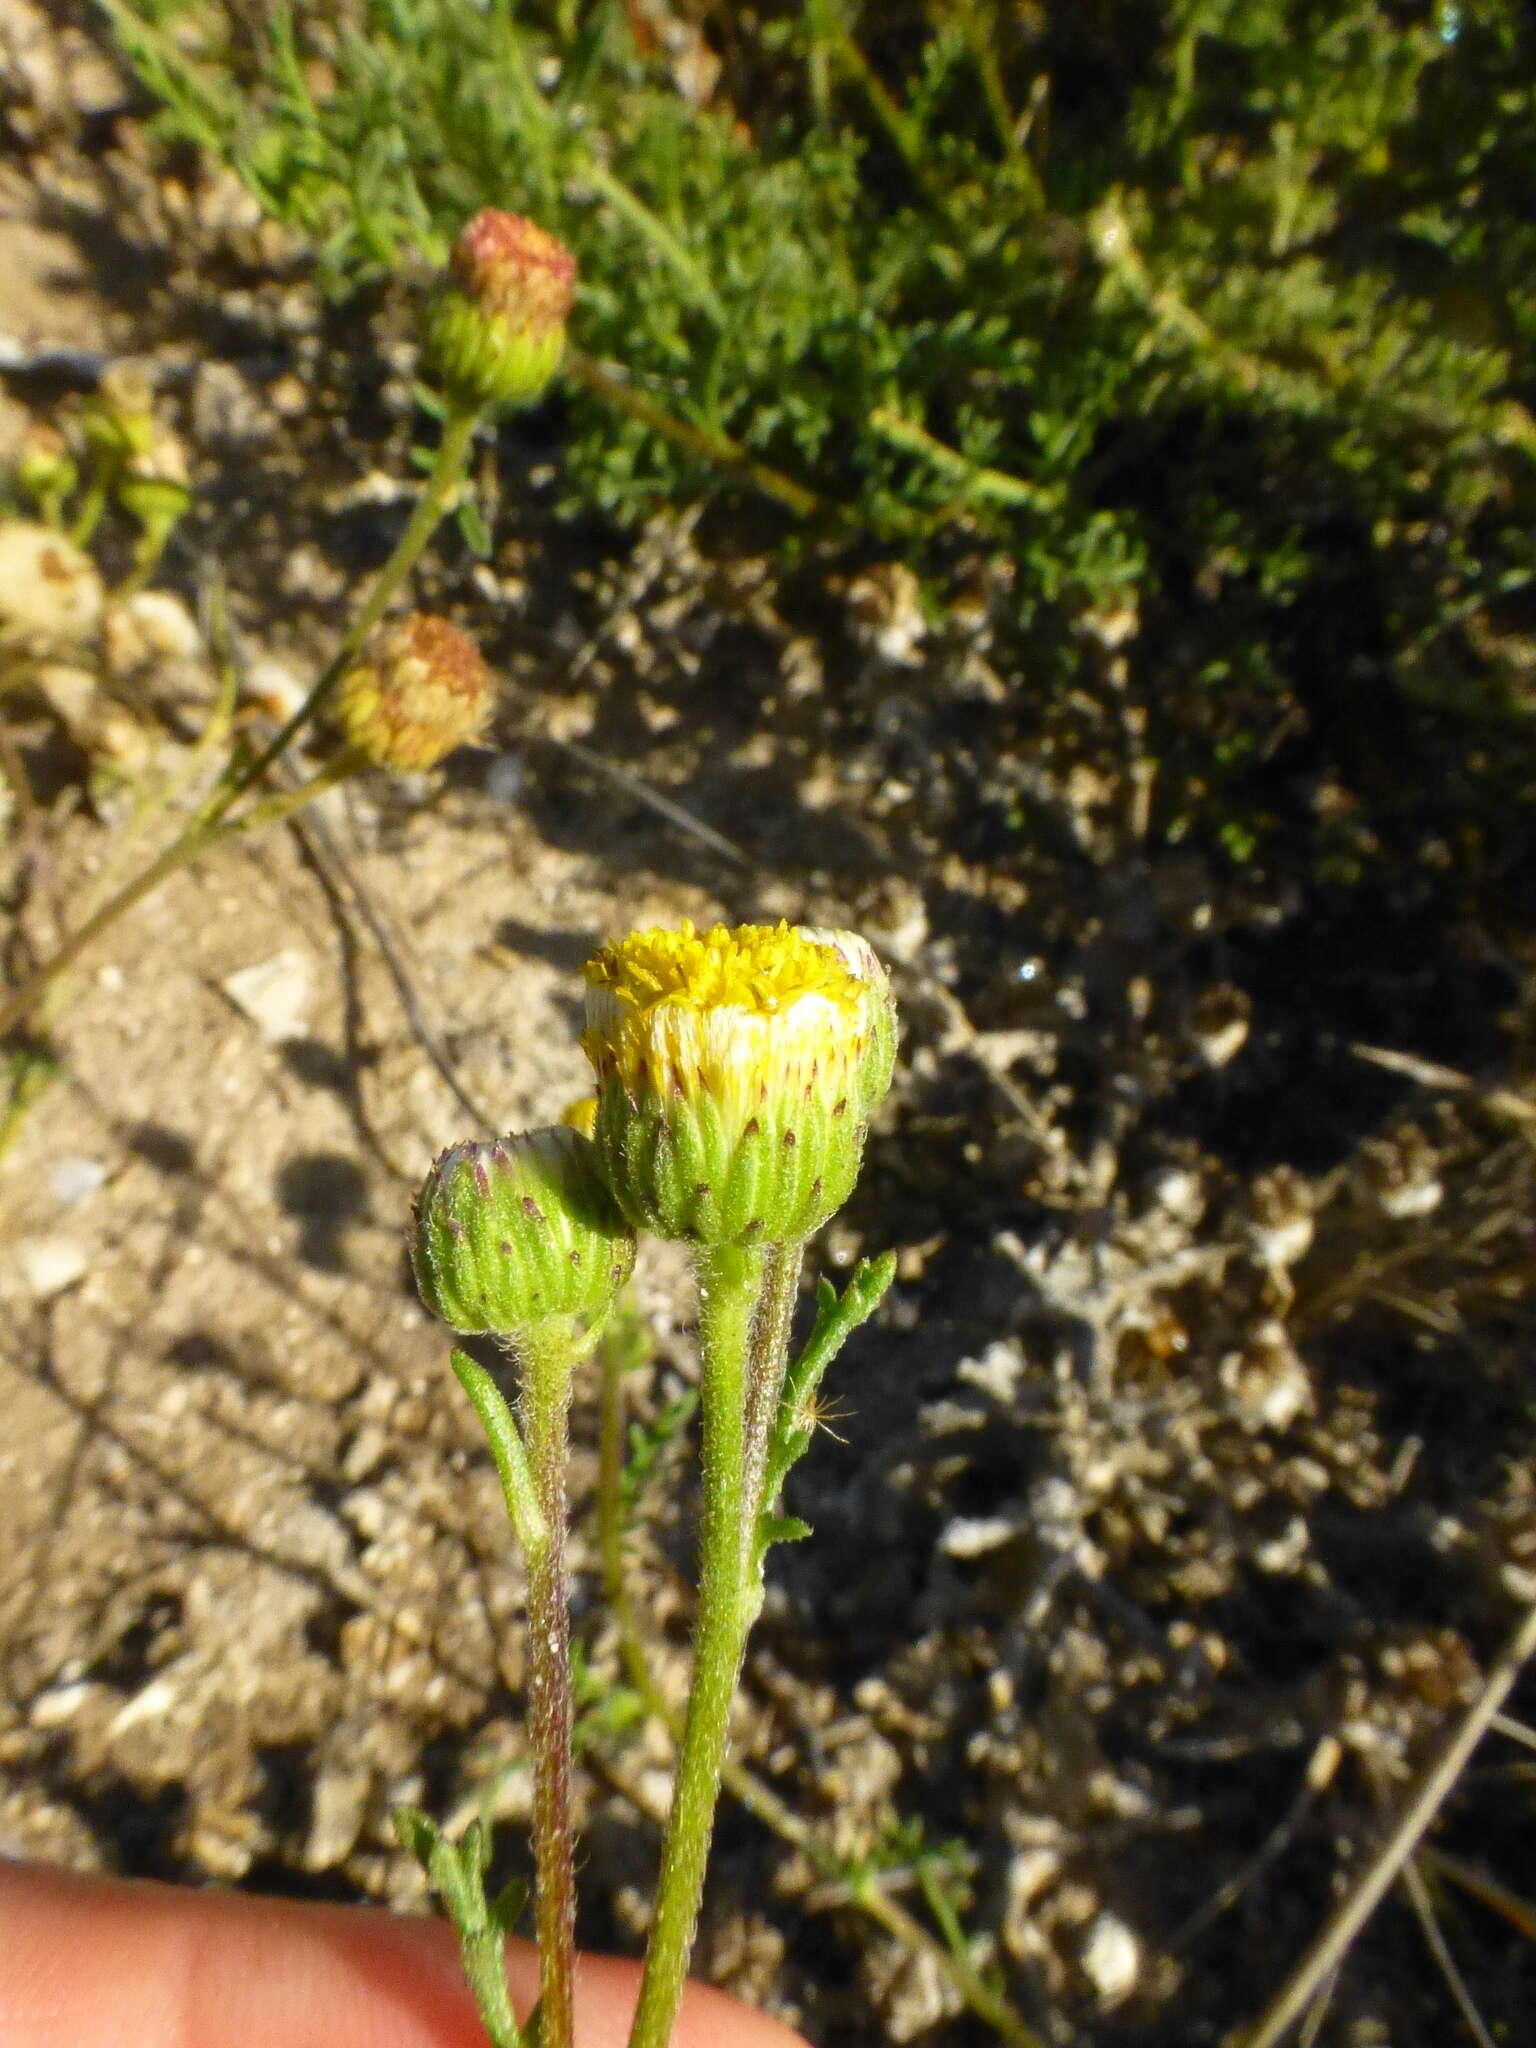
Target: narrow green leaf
(506,1908)
(416,1833)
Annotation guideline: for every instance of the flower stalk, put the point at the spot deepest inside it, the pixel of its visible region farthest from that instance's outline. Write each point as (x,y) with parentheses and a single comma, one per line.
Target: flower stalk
(736,1072)
(731,1287)
(549,1360)
(531,1455)
(519,1240)
(438,498)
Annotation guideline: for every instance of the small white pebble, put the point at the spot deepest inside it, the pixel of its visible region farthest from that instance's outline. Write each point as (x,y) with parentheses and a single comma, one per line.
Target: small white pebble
(151,1703)
(997,1372)
(505,778)
(975,1535)
(1111,1959)
(274,994)
(273,686)
(59,1704)
(49,1265)
(72,1179)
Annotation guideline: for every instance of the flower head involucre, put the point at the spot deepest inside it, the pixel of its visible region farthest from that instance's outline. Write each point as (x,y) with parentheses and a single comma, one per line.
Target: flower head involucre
(517,1231)
(425,690)
(736,1073)
(496,333)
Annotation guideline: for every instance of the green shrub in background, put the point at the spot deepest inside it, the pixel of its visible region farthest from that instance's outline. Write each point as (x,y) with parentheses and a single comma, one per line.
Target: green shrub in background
(1220,305)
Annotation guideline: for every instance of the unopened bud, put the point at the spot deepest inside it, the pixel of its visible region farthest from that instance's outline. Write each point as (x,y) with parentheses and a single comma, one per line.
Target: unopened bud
(513,1233)
(496,332)
(119,417)
(425,690)
(45,469)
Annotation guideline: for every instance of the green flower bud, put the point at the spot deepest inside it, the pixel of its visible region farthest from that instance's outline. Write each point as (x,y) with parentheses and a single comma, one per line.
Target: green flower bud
(516,1232)
(118,418)
(45,469)
(736,1074)
(495,335)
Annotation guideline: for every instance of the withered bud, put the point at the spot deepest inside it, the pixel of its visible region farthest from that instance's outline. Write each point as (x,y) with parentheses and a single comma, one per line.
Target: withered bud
(425,690)
(512,267)
(496,333)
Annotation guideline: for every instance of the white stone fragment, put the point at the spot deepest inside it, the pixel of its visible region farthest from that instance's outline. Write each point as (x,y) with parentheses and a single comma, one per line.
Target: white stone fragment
(1111,1959)
(69,691)
(273,687)
(976,1535)
(274,994)
(1180,1193)
(997,1372)
(339,1808)
(49,1265)
(148,629)
(151,1703)
(1415,1198)
(58,1706)
(73,1178)
(50,593)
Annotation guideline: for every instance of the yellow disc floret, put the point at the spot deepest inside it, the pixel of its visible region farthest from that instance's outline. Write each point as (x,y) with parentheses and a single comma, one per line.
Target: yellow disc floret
(759,968)
(733,1075)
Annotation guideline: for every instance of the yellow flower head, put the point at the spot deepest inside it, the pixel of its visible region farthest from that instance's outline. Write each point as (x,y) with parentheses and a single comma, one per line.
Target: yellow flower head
(736,1070)
(581,1115)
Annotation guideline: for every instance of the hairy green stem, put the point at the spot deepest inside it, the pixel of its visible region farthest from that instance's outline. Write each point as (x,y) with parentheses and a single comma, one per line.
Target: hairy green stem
(861,1887)
(767,1363)
(730,1286)
(549,1355)
(198,837)
(508,1454)
(531,1462)
(442,487)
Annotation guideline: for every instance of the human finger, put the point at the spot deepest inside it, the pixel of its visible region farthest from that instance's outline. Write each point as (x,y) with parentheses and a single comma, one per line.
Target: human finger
(91,1963)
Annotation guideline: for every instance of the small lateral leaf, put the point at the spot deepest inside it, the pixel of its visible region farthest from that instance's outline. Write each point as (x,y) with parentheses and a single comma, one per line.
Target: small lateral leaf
(477,535)
(416,1834)
(784,1529)
(450,1879)
(476,1849)
(507,1906)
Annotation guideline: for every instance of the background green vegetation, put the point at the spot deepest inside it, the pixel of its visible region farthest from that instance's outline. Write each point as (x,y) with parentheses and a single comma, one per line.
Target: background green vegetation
(1220,306)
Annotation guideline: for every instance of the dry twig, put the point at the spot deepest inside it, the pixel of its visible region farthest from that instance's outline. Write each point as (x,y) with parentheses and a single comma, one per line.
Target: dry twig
(1368,1890)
